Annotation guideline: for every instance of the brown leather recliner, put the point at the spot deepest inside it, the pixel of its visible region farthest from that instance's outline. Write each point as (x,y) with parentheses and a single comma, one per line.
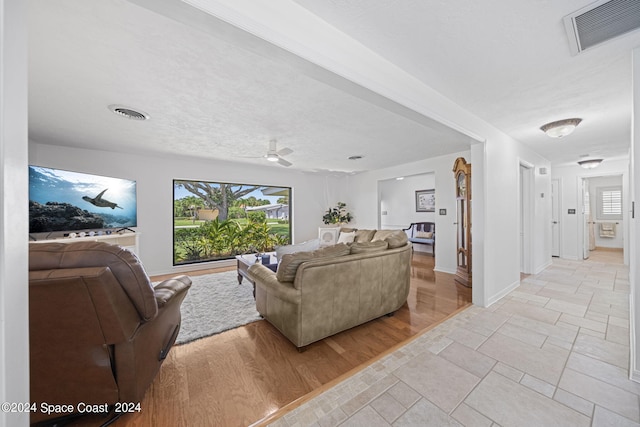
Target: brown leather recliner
(99,330)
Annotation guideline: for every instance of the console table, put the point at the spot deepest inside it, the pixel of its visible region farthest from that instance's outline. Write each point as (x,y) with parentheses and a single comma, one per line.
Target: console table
(126,240)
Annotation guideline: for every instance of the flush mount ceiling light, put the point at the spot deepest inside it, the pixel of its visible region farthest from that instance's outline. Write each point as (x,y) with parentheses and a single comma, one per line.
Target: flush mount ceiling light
(590,164)
(560,128)
(128,113)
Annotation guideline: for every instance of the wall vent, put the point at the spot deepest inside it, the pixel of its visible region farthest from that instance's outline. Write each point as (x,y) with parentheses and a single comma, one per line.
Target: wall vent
(601,21)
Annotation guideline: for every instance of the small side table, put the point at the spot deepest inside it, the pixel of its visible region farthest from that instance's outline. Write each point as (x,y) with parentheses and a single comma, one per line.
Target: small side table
(246,261)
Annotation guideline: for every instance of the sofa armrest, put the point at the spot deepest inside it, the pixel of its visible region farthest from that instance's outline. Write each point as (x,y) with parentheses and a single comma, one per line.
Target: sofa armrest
(169,289)
(267,279)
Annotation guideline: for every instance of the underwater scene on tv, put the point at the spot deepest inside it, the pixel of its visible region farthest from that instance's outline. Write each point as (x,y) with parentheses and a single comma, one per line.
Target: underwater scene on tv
(61,200)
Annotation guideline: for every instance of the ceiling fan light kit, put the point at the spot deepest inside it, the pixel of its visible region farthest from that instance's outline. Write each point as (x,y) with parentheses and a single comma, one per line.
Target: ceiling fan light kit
(590,164)
(275,155)
(560,128)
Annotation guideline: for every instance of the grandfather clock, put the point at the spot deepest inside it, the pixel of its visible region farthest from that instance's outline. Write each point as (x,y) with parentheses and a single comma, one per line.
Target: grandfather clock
(462,174)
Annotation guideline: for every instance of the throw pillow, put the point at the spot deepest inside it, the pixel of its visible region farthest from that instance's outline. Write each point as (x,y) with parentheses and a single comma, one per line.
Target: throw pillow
(364,235)
(289,264)
(424,235)
(310,245)
(381,234)
(369,247)
(397,239)
(346,237)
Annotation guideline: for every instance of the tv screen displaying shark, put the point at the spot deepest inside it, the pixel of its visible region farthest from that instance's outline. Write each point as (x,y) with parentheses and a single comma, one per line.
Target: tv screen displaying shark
(65,201)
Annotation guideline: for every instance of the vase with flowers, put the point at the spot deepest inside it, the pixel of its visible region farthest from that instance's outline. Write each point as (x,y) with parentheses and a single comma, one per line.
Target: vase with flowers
(337,215)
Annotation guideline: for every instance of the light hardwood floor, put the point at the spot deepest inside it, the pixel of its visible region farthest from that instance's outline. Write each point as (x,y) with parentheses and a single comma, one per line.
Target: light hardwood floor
(241,376)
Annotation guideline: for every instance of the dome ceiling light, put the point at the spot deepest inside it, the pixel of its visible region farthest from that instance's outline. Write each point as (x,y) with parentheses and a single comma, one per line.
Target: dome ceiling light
(560,128)
(590,164)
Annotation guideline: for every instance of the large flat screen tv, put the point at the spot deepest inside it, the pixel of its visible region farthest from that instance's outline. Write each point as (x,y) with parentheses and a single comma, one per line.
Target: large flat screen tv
(61,200)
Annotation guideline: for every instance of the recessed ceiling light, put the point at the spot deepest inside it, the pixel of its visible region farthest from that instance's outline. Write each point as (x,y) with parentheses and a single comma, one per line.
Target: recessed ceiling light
(400,178)
(128,113)
(355,157)
(560,128)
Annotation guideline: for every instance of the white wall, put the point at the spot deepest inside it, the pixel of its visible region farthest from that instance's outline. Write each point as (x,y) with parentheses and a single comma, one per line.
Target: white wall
(503,157)
(634,228)
(364,198)
(14,299)
(398,203)
(571,228)
(398,200)
(312,195)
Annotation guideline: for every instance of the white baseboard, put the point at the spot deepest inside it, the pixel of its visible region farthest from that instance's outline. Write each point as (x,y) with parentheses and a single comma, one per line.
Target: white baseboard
(543,267)
(444,270)
(497,297)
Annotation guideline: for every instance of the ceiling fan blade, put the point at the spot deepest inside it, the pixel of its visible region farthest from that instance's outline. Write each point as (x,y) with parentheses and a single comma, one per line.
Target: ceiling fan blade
(283,162)
(285,151)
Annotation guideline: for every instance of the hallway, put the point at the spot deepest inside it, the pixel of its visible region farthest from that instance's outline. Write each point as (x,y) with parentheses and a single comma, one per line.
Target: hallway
(555,351)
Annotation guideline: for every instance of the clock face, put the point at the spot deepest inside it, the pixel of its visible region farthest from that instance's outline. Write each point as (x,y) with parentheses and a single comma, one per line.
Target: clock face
(462,185)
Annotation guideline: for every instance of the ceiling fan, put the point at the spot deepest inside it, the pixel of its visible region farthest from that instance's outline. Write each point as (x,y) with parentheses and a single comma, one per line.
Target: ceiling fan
(275,155)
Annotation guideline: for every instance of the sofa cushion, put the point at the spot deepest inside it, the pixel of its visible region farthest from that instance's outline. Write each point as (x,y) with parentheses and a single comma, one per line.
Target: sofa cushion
(364,235)
(310,245)
(369,247)
(346,237)
(382,234)
(289,264)
(397,239)
(424,234)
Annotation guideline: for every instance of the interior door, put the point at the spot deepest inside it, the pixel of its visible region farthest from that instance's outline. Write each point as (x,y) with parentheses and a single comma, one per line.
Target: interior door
(585,219)
(555,218)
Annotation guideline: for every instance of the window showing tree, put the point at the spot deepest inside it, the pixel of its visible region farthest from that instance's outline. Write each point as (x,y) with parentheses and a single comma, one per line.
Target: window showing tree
(609,203)
(217,220)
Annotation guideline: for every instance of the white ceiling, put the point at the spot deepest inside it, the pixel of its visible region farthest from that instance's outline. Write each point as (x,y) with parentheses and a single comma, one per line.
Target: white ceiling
(222,93)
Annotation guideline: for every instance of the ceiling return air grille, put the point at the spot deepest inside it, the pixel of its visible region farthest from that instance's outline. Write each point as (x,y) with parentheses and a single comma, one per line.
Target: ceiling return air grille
(601,21)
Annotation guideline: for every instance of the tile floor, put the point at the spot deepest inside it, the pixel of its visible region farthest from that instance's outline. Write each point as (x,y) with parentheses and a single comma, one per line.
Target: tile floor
(554,352)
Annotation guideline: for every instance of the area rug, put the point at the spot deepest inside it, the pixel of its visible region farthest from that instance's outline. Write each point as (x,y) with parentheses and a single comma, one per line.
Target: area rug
(216,303)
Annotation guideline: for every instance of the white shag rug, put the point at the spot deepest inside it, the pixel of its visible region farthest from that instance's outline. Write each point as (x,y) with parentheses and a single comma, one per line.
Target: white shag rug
(216,303)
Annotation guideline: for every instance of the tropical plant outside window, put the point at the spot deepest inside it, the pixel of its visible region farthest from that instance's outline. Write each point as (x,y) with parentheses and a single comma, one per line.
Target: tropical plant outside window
(216,220)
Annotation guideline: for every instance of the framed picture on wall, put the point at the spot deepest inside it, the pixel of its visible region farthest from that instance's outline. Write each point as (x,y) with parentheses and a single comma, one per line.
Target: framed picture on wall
(426,200)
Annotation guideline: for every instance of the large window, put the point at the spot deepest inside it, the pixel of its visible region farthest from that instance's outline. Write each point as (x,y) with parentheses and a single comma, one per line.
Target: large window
(609,203)
(218,220)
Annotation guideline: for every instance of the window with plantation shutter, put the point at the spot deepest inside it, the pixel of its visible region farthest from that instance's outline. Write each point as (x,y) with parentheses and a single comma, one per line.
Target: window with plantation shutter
(609,203)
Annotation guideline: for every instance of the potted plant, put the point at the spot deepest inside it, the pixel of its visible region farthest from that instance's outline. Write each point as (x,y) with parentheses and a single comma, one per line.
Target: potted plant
(337,215)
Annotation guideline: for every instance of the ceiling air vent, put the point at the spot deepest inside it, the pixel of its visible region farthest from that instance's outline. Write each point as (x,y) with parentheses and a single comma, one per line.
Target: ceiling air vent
(128,113)
(601,21)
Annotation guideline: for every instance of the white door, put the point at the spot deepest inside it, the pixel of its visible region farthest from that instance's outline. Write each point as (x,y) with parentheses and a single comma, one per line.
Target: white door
(585,219)
(555,218)
(526,214)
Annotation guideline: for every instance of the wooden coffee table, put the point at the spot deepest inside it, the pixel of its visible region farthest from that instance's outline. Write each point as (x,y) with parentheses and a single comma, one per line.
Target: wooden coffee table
(246,261)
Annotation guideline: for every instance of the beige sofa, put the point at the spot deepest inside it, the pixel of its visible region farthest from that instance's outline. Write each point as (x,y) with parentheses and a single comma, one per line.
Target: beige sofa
(317,294)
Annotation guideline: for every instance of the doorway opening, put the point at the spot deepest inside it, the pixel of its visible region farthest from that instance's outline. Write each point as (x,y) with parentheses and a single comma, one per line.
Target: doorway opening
(602,222)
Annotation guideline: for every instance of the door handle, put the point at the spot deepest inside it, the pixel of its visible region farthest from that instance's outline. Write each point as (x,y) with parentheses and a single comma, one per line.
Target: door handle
(554,222)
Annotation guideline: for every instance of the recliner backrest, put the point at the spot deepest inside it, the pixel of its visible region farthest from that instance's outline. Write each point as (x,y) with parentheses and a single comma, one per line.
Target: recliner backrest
(124,265)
